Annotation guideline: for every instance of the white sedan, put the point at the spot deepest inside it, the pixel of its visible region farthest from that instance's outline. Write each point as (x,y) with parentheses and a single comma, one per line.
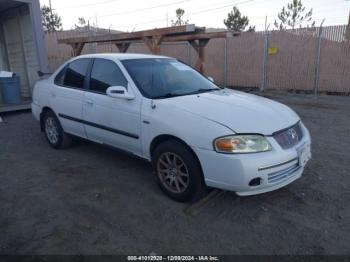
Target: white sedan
(196,134)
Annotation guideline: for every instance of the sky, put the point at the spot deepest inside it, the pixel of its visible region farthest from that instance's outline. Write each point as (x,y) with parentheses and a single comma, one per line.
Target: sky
(135,15)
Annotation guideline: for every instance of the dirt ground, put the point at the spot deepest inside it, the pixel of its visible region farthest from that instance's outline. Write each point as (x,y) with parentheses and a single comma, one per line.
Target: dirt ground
(89,199)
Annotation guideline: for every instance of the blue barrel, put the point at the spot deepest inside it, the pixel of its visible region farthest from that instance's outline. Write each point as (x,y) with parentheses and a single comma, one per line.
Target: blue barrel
(10,90)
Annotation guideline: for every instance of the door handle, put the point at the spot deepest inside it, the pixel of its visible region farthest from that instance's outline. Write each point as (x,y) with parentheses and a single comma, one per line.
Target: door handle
(89,102)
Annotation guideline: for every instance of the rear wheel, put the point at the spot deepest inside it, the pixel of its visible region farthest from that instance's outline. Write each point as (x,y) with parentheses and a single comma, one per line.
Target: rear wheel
(178,171)
(54,133)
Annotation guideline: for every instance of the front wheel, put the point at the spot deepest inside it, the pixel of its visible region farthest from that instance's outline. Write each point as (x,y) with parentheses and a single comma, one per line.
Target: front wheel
(178,171)
(54,133)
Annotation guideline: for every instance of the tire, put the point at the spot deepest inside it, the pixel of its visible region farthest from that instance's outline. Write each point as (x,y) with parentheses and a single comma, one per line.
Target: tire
(54,133)
(171,161)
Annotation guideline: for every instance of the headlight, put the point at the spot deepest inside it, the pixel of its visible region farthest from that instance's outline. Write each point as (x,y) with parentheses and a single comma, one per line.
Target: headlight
(242,144)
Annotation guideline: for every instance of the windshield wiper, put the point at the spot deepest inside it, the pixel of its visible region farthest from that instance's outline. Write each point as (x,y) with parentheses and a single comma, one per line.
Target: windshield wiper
(203,90)
(199,91)
(167,95)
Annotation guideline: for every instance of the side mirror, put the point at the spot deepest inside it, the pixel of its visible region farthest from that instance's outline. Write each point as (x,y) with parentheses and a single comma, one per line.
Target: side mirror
(211,79)
(119,92)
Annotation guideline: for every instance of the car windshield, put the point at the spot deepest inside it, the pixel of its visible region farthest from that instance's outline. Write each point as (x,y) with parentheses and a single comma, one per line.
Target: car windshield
(164,78)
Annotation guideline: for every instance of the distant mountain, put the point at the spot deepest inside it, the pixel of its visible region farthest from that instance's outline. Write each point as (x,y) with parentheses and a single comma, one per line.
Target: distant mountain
(85,31)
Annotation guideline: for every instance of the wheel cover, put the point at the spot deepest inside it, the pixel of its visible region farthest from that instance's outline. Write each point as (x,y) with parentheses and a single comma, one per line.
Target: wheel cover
(173,172)
(51,130)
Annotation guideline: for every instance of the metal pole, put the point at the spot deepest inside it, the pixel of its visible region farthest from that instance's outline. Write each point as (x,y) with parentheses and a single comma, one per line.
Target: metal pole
(225,65)
(51,12)
(317,61)
(264,71)
(50,7)
(189,53)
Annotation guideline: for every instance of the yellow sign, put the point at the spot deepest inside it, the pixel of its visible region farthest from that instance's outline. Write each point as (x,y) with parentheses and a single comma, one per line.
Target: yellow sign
(272,50)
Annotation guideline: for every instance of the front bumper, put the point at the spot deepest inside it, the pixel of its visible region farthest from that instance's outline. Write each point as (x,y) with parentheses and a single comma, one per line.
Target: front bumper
(234,172)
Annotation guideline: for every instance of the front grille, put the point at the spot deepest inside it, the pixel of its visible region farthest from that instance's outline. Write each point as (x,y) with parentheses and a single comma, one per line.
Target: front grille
(289,137)
(283,174)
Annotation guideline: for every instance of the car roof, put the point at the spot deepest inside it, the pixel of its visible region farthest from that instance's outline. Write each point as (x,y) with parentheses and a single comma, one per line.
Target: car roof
(121,56)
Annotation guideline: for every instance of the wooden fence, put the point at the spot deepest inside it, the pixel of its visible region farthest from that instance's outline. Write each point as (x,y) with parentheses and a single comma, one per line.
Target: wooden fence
(238,62)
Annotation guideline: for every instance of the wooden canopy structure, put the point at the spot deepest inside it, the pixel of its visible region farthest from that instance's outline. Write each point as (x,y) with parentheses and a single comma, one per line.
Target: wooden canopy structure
(196,36)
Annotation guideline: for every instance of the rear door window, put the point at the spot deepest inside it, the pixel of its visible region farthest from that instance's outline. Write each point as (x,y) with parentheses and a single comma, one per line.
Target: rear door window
(75,73)
(59,79)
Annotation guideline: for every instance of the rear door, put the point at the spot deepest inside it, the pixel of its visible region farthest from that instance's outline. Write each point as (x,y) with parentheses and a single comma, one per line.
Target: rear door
(108,120)
(68,93)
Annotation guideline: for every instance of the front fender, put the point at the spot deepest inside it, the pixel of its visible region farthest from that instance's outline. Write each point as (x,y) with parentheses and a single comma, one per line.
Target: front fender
(194,130)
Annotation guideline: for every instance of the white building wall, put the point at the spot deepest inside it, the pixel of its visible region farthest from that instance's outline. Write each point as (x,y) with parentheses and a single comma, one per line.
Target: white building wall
(20,47)
(3,57)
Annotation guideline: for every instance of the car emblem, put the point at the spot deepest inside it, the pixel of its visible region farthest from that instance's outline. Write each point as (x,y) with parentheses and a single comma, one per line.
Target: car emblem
(293,134)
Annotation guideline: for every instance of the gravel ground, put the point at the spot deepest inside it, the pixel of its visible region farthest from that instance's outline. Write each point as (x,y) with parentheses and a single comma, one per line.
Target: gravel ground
(90,199)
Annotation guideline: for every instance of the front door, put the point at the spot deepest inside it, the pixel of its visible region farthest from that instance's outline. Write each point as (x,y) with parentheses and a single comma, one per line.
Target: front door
(108,120)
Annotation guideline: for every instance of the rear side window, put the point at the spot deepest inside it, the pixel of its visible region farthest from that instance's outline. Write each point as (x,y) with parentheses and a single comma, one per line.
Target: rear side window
(59,79)
(106,73)
(75,73)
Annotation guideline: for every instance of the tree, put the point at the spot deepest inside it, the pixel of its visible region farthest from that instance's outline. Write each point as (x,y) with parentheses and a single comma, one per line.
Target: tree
(251,28)
(179,20)
(236,22)
(293,16)
(51,21)
(81,23)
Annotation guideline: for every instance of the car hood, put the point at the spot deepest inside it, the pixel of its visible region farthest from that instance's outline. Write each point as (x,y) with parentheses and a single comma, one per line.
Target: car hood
(239,111)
